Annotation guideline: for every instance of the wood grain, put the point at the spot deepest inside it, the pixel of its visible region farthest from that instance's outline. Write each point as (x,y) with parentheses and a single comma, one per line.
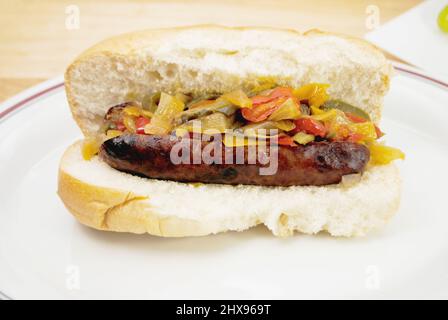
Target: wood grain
(35,43)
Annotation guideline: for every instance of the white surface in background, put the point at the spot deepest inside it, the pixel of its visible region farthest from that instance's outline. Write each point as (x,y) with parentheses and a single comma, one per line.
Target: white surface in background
(416,38)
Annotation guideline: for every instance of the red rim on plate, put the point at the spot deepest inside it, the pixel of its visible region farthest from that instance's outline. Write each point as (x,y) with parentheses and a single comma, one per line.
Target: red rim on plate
(54,88)
(31,98)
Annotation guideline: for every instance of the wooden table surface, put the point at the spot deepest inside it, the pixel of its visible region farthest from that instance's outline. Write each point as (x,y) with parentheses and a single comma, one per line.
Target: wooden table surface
(36,44)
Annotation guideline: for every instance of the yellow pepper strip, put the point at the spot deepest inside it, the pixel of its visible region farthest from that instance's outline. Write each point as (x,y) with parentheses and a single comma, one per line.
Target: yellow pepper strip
(113,134)
(315,93)
(90,147)
(169,106)
(182,97)
(303,138)
(285,125)
(196,184)
(158,126)
(129,123)
(324,115)
(238,98)
(162,120)
(181,131)
(151,101)
(380,154)
(132,111)
(315,111)
(147,114)
(216,123)
(366,129)
(289,110)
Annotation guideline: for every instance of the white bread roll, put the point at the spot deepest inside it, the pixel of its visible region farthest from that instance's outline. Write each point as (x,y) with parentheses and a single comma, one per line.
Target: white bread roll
(211,58)
(218,59)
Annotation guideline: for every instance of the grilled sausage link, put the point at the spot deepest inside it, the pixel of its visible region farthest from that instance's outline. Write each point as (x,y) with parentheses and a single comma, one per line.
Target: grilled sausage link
(318,163)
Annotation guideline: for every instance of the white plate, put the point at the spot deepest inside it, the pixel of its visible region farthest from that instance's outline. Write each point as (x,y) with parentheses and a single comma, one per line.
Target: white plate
(45,253)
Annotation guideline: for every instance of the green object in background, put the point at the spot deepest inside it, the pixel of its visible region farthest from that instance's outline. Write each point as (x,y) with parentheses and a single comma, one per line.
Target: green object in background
(443,19)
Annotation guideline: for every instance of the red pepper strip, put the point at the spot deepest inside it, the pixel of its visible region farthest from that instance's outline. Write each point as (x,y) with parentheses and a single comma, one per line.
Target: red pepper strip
(379,133)
(257,100)
(140,124)
(354,137)
(263,111)
(310,126)
(276,93)
(286,141)
(356,119)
